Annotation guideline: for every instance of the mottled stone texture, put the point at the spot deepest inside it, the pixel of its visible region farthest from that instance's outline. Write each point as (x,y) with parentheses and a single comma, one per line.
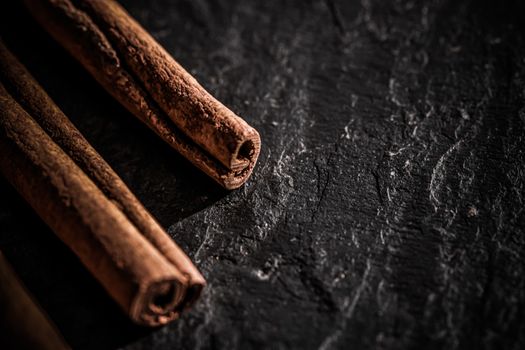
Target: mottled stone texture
(386,210)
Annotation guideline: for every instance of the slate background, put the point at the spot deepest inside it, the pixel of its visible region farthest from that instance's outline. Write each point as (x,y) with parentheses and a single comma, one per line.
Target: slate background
(386,210)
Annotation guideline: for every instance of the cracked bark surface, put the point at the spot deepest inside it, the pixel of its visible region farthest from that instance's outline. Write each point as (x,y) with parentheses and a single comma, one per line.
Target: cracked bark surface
(386,209)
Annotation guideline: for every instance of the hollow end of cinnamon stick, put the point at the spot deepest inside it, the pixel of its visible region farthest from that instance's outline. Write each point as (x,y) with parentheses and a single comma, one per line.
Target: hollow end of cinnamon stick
(157,305)
(163,301)
(243,160)
(246,152)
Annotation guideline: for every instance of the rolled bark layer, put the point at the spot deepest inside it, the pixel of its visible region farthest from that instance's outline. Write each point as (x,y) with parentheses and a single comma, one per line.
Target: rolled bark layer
(87,205)
(140,74)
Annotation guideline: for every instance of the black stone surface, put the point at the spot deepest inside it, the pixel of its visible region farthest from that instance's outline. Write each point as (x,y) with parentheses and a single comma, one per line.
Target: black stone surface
(387,207)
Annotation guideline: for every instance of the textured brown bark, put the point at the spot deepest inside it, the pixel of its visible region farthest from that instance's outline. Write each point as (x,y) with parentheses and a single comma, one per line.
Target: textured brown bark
(23,325)
(87,205)
(139,73)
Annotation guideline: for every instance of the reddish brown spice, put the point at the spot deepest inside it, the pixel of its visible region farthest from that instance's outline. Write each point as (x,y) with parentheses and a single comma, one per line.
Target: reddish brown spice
(140,74)
(88,206)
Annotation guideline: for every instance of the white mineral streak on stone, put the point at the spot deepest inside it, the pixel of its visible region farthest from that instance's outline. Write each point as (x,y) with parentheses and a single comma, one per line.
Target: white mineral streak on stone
(271,268)
(439,173)
(291,146)
(260,274)
(348,309)
(208,237)
(347,133)
(354,100)
(354,238)
(392,92)
(395,153)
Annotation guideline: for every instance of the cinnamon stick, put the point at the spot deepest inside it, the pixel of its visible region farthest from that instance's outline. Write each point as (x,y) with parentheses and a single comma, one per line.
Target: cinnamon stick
(87,205)
(23,325)
(140,74)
